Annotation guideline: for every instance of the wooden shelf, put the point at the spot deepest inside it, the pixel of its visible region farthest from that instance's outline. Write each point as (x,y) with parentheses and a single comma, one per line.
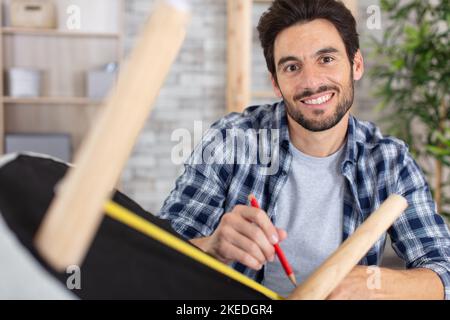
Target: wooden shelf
(56,32)
(51,100)
(65,56)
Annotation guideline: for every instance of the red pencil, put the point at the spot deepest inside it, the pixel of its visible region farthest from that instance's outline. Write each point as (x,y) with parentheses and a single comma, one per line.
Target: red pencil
(286,266)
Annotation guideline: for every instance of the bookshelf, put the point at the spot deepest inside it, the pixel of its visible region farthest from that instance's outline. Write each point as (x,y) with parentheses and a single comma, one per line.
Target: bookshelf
(63,56)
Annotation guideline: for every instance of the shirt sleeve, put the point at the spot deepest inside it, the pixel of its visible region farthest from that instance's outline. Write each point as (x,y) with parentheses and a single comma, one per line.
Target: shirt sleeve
(420,236)
(196,204)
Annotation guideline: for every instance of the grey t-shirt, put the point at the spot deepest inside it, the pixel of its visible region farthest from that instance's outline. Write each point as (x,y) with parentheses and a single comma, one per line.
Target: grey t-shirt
(310,209)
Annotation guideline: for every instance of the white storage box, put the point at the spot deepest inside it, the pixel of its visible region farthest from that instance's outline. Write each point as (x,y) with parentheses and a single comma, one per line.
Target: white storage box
(22,82)
(32,13)
(89,15)
(100,81)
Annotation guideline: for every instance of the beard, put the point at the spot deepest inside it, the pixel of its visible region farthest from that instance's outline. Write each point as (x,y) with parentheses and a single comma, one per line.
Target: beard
(343,105)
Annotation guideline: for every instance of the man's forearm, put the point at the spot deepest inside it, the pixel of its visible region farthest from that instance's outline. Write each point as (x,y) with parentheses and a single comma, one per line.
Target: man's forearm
(418,284)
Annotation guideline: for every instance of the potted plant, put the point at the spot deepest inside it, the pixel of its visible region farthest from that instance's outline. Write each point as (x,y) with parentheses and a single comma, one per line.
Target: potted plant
(412,77)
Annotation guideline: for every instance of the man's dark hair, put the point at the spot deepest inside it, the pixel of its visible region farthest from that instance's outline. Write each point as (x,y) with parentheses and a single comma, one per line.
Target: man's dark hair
(285,13)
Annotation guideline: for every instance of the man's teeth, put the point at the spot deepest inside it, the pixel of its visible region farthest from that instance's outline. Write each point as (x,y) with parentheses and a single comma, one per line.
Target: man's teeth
(319,100)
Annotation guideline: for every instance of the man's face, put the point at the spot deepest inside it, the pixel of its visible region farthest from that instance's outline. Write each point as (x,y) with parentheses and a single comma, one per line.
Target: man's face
(314,75)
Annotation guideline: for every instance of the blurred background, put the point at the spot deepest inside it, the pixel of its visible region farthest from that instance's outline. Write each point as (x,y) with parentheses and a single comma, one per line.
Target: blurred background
(60,58)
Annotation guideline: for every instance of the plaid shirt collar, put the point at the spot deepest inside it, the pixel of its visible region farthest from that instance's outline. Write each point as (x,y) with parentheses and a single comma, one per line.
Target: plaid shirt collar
(280,122)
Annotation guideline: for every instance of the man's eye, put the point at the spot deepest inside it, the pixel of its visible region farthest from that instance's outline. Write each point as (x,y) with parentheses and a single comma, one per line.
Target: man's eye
(327,59)
(291,68)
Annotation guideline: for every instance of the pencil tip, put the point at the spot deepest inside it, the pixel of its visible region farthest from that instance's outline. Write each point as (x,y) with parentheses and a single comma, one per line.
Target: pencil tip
(292,278)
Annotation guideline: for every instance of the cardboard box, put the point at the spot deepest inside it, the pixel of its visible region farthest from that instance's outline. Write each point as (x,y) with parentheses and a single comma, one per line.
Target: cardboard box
(32,13)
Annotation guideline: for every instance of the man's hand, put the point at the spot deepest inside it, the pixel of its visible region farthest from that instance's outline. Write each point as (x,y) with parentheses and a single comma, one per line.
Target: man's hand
(246,235)
(382,283)
(357,285)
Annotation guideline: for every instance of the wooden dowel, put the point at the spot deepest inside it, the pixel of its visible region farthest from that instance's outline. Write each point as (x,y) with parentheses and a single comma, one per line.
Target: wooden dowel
(76,212)
(239,39)
(328,276)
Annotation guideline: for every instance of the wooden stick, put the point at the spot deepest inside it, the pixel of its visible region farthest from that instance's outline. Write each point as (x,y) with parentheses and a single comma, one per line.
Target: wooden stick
(239,40)
(76,212)
(328,276)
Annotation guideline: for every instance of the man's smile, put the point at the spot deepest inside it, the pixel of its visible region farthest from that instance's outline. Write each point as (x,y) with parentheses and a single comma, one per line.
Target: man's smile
(318,100)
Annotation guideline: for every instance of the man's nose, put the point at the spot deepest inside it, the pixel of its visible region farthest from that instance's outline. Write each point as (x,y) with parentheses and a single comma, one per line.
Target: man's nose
(310,78)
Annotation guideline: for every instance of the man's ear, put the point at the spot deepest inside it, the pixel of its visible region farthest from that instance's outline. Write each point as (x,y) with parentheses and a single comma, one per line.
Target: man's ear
(358,66)
(275,87)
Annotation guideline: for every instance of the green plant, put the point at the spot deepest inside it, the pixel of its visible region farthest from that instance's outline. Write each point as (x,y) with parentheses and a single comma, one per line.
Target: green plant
(412,77)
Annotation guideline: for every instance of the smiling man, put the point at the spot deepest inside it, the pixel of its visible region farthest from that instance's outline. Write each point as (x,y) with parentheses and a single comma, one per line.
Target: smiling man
(332,170)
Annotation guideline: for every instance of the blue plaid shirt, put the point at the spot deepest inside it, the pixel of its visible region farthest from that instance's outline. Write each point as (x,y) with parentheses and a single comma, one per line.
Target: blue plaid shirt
(374,167)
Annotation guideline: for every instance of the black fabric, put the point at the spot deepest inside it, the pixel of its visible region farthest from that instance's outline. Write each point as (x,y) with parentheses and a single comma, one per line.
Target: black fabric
(121,263)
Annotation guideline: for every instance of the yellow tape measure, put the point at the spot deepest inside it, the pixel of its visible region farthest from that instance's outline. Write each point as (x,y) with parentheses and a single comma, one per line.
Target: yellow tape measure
(130,219)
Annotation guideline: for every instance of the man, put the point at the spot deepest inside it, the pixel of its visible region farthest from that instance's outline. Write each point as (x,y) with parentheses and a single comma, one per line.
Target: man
(332,170)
